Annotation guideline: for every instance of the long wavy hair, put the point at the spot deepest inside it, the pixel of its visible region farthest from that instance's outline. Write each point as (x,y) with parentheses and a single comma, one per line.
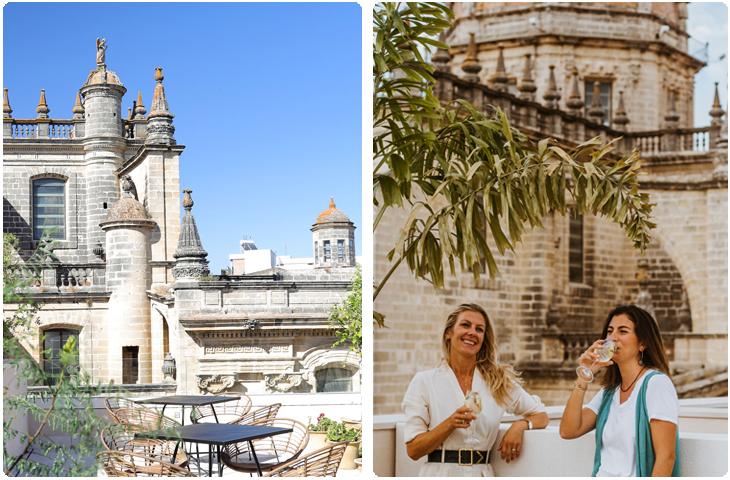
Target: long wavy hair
(501,378)
(647,331)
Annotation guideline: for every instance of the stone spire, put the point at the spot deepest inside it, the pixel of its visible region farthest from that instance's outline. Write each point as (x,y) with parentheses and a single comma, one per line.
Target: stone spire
(596,112)
(139,109)
(471,65)
(7,111)
(527,86)
(672,117)
(42,107)
(500,79)
(191,259)
(159,121)
(575,101)
(551,95)
(78,109)
(621,119)
(716,112)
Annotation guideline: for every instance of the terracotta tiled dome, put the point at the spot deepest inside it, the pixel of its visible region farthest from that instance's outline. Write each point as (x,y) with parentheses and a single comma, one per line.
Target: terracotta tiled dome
(332,214)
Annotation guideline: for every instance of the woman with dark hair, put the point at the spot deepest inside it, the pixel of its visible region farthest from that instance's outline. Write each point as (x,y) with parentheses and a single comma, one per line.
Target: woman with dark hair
(635,414)
(458,438)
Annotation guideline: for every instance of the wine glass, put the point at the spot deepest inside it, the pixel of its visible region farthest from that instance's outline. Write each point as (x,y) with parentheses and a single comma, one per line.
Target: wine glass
(474,402)
(605,353)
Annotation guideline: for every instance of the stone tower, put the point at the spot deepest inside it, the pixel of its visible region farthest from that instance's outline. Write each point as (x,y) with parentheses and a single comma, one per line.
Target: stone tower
(333,237)
(127,228)
(103,144)
(638,48)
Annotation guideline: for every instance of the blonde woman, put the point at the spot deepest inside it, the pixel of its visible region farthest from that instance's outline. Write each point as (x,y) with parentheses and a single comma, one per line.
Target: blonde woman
(456,439)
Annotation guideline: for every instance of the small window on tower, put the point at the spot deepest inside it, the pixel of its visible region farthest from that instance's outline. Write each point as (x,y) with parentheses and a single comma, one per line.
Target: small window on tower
(605,99)
(341,250)
(575,249)
(327,251)
(316,253)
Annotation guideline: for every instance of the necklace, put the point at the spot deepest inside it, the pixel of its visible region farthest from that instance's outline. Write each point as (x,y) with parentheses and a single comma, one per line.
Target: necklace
(632,383)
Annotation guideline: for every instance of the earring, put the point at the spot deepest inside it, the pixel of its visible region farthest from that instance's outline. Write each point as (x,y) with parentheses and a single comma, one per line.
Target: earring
(641,359)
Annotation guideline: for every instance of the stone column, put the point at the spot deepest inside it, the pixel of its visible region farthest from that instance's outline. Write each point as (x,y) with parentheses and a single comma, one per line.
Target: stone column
(127,229)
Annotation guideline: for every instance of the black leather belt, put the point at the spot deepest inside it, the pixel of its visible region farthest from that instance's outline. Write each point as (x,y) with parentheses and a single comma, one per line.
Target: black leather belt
(463,456)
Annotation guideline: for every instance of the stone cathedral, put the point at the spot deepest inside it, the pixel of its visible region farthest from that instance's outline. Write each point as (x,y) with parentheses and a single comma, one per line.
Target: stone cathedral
(129,277)
(574,71)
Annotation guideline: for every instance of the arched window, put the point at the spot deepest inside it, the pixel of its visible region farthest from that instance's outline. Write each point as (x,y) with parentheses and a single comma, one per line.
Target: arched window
(334,379)
(49,208)
(53,341)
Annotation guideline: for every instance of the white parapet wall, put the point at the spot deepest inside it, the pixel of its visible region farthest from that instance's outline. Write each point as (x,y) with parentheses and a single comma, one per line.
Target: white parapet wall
(703,446)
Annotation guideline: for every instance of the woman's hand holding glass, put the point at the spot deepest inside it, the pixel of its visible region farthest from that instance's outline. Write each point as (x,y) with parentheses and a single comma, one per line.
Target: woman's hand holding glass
(596,357)
(461,418)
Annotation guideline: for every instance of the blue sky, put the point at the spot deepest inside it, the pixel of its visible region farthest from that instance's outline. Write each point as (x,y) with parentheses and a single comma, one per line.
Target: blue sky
(707,23)
(266,98)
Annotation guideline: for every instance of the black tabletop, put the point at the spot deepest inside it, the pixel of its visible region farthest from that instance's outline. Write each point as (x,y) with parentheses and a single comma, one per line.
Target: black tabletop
(193,400)
(216,433)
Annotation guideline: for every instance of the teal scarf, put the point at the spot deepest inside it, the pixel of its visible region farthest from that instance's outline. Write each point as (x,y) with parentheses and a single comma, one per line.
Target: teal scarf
(644,448)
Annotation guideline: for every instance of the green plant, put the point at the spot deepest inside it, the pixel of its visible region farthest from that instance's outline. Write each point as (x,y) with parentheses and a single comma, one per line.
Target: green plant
(66,406)
(338,432)
(471,183)
(347,316)
(322,425)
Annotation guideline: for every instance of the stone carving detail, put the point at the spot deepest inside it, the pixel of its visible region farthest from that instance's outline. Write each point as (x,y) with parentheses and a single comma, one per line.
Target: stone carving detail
(245,349)
(250,324)
(215,383)
(283,382)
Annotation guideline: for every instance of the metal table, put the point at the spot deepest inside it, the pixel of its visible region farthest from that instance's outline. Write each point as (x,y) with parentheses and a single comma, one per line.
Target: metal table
(189,400)
(218,434)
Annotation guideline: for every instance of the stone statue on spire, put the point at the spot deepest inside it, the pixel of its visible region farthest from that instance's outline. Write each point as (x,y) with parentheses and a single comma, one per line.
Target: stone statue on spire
(100,51)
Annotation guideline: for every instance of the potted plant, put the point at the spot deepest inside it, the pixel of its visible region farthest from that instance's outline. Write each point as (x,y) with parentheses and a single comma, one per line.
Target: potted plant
(338,432)
(318,432)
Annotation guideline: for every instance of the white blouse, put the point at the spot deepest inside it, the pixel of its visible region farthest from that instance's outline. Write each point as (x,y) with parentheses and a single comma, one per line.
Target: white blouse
(434,395)
(618,454)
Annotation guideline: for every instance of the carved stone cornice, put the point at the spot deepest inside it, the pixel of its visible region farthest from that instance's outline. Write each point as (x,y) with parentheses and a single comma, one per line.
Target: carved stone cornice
(40,147)
(709,184)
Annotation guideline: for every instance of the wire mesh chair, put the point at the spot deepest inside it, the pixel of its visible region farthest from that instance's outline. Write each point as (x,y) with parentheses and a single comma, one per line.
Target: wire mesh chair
(263,413)
(319,463)
(128,464)
(121,437)
(271,451)
(145,419)
(113,404)
(227,412)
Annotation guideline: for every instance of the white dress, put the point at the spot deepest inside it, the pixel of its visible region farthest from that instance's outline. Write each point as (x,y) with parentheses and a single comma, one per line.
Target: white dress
(435,394)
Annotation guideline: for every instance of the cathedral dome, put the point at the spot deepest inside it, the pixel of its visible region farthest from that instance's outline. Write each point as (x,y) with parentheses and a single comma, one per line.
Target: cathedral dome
(126,208)
(102,76)
(332,214)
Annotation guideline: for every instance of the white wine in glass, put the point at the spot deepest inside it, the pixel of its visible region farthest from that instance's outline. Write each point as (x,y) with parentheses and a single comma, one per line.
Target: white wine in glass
(605,353)
(474,402)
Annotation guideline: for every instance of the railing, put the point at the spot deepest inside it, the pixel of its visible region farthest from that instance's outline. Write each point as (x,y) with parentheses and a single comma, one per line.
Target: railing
(676,140)
(63,277)
(539,120)
(567,347)
(41,128)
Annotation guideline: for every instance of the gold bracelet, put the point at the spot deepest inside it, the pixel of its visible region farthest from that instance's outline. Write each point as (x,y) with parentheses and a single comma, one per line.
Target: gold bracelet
(579,387)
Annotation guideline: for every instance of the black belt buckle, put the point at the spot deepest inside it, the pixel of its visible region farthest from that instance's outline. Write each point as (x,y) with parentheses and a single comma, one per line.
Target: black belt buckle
(471,457)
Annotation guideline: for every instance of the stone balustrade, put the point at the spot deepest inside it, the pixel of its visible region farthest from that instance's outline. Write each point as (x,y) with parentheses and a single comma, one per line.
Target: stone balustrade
(43,129)
(539,121)
(44,278)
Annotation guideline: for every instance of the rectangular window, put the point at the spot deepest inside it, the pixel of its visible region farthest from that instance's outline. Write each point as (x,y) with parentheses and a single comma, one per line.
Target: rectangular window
(327,251)
(53,342)
(316,253)
(341,250)
(575,249)
(130,365)
(49,208)
(605,99)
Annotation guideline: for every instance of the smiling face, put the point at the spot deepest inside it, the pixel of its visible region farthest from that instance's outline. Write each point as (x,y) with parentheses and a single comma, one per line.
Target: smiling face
(467,335)
(622,330)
